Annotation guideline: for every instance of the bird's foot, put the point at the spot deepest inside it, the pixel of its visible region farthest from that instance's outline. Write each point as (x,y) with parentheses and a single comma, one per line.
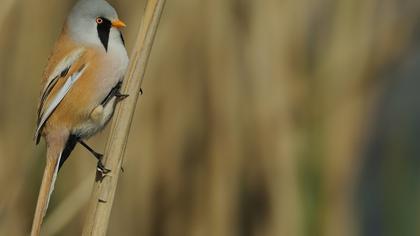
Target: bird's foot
(121,97)
(101,171)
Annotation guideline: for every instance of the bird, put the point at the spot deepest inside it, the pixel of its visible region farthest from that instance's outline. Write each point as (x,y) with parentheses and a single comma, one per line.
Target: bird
(80,89)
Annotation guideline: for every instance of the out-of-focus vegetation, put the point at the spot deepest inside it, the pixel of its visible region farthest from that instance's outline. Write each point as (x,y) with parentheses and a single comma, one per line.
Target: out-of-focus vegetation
(293,117)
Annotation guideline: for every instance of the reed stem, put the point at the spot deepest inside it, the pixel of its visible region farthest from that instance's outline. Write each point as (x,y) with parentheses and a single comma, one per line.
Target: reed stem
(101,201)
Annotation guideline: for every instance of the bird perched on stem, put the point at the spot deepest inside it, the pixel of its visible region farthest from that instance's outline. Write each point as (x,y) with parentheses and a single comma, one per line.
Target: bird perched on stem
(80,89)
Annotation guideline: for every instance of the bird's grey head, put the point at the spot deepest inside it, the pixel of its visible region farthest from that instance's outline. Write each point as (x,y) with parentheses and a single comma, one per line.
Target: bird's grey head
(90,22)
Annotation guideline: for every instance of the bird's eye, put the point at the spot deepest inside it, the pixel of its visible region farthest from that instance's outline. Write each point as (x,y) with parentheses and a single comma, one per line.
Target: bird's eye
(99,20)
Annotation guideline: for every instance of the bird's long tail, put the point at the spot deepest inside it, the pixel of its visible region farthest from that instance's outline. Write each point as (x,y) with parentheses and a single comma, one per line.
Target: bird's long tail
(47,187)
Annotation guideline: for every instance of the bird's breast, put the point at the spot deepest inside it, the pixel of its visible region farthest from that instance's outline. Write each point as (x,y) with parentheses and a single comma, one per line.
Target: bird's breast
(111,69)
(106,72)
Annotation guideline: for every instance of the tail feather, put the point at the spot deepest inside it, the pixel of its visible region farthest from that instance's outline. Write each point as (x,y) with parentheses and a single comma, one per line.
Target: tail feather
(47,187)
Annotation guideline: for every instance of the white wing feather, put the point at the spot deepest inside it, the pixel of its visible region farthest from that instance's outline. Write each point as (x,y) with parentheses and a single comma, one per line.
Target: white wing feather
(59,97)
(65,63)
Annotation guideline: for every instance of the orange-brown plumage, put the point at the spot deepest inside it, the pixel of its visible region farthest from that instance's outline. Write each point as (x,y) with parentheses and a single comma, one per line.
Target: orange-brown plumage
(79,101)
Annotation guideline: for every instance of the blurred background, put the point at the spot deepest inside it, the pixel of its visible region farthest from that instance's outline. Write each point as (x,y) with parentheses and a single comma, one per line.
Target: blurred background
(273,117)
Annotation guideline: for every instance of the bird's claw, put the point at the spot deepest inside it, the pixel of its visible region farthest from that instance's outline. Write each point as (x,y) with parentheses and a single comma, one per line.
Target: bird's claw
(101,171)
(121,97)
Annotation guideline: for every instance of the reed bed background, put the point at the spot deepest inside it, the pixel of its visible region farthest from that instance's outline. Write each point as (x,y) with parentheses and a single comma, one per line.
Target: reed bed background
(290,117)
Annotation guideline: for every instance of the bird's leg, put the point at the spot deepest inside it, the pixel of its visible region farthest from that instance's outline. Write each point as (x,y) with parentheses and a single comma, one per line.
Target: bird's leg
(120,96)
(110,95)
(97,155)
(115,92)
(100,167)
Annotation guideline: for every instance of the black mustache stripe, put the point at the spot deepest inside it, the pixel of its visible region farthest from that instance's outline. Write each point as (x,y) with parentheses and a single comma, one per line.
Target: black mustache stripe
(103,32)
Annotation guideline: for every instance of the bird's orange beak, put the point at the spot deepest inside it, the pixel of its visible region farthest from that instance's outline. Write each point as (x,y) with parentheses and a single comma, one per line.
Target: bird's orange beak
(118,24)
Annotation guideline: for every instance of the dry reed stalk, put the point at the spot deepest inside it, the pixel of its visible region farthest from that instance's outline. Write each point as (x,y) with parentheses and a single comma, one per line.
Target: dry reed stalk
(102,198)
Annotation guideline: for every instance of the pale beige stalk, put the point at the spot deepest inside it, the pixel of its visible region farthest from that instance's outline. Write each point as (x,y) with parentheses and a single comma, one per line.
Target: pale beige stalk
(102,198)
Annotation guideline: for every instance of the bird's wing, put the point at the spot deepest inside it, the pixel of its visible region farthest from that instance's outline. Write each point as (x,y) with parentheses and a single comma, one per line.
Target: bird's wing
(67,71)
